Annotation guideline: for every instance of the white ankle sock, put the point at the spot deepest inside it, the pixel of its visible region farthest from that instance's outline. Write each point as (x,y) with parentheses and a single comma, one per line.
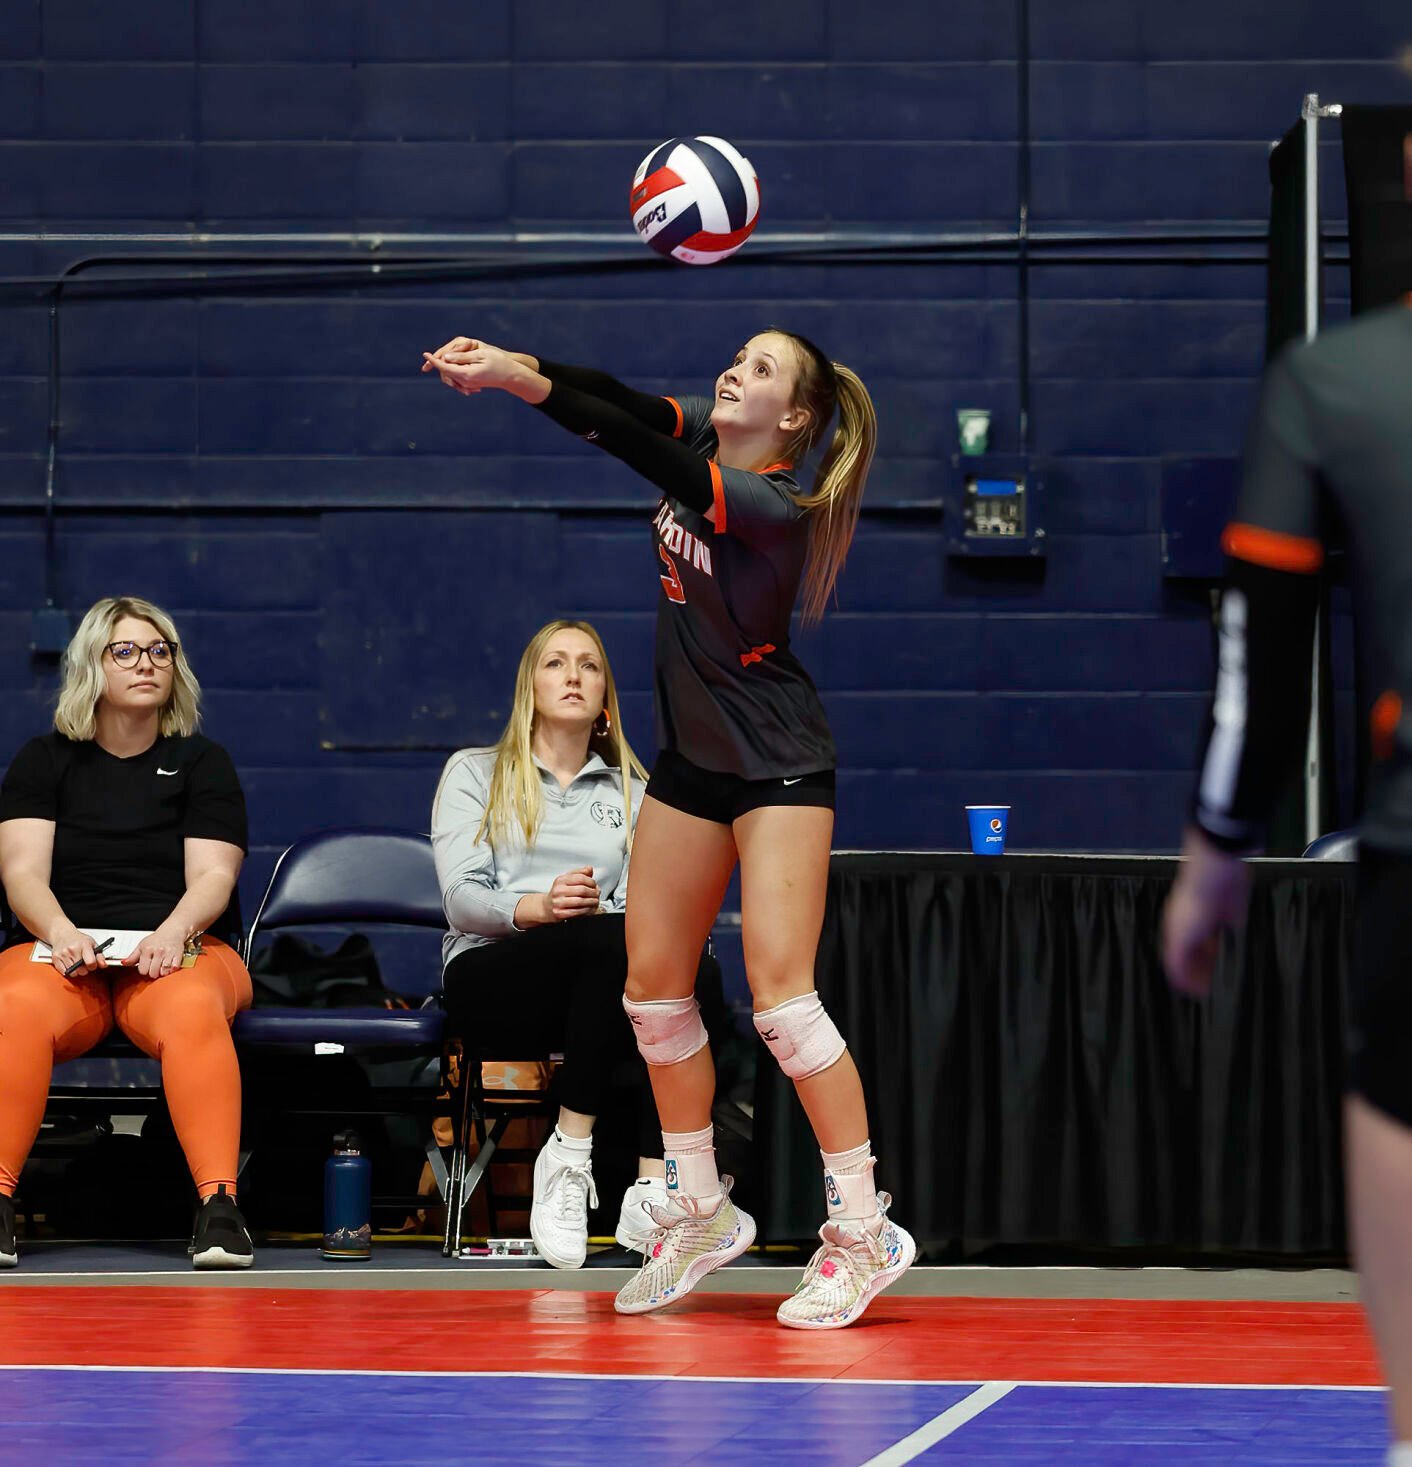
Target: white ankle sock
(575,1150)
(848,1185)
(691,1165)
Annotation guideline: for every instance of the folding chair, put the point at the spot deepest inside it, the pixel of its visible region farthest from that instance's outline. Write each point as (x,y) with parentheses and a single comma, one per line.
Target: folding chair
(386,877)
(364,876)
(488,1113)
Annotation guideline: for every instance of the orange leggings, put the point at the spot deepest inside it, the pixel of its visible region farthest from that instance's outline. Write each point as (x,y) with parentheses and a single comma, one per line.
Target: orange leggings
(183,1020)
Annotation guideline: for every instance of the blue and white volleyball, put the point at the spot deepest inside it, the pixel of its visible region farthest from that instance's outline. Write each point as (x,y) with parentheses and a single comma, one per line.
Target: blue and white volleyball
(695,199)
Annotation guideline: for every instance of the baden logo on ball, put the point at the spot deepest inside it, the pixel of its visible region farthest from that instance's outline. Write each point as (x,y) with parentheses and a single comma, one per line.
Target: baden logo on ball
(695,199)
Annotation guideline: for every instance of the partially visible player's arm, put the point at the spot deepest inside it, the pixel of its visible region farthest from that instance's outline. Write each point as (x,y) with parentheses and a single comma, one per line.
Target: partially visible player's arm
(1259,715)
(1258,722)
(1256,729)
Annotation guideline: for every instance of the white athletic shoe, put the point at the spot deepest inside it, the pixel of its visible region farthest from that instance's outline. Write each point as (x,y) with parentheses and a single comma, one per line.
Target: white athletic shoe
(563,1193)
(686,1244)
(635,1225)
(849,1270)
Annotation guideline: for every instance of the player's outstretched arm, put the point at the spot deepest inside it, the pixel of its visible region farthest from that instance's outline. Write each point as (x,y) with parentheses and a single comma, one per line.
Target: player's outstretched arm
(648,408)
(670,465)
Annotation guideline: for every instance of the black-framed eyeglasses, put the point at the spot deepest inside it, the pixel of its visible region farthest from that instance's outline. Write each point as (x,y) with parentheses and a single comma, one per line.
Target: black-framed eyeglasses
(129,654)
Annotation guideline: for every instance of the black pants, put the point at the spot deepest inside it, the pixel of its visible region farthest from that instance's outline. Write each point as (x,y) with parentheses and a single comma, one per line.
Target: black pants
(559,989)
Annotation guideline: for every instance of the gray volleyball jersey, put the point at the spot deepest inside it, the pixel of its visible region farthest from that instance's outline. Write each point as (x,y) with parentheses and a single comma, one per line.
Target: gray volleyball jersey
(1331,450)
(730,695)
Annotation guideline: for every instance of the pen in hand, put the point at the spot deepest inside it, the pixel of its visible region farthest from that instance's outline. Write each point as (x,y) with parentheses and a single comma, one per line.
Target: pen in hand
(97,953)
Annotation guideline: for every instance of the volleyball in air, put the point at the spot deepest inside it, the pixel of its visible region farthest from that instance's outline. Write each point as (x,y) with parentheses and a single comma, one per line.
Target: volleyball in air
(695,199)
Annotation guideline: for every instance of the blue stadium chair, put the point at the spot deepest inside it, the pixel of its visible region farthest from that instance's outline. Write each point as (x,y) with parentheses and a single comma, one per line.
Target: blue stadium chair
(385,877)
(1337,845)
(367,877)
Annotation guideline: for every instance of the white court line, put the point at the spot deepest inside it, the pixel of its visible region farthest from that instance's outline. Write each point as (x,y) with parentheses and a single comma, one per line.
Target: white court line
(800,1380)
(941,1427)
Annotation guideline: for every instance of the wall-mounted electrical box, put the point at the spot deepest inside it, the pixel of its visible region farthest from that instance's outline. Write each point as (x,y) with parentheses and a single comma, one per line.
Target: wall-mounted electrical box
(993,506)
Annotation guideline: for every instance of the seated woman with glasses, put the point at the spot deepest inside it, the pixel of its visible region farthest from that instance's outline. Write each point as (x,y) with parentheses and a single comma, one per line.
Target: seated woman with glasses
(532,838)
(121,836)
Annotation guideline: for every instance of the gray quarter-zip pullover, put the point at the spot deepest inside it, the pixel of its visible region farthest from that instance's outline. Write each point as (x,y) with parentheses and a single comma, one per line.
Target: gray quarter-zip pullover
(583,825)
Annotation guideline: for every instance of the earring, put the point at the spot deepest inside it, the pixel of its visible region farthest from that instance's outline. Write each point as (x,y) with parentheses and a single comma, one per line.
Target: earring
(607,724)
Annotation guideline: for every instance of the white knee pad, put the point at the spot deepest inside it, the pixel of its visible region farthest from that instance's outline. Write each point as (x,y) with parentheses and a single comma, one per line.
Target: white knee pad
(801,1036)
(668,1030)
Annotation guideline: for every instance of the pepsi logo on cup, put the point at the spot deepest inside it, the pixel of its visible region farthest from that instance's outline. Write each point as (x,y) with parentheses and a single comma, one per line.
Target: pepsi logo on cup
(995,824)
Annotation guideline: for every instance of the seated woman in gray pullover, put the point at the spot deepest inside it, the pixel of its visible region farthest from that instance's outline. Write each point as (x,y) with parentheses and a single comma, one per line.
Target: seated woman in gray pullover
(492,891)
(532,838)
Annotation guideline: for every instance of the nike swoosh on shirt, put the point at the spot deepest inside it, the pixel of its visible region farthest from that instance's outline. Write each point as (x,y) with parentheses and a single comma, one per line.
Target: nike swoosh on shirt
(794,781)
(169,771)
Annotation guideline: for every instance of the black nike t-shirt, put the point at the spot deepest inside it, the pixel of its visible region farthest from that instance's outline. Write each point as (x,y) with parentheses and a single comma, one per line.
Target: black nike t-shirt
(120,824)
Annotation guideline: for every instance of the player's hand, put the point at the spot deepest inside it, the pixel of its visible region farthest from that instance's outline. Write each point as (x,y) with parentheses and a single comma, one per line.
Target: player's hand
(67,945)
(457,343)
(469,365)
(574,894)
(431,360)
(1211,892)
(159,953)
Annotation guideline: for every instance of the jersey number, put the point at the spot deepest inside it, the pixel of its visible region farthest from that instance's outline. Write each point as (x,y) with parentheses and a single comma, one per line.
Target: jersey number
(671,581)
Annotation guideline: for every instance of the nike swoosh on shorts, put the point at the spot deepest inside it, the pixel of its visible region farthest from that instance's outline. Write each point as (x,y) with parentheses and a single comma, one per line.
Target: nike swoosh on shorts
(169,771)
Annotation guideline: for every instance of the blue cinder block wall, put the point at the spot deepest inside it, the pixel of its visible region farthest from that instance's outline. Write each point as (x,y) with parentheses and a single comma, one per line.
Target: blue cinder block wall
(356,555)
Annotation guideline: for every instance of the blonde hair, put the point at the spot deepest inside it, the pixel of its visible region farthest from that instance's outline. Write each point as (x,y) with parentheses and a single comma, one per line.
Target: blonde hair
(837,495)
(516,796)
(83,683)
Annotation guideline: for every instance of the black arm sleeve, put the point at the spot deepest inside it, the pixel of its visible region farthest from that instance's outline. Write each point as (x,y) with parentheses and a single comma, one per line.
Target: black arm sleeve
(673,467)
(1259,718)
(647,407)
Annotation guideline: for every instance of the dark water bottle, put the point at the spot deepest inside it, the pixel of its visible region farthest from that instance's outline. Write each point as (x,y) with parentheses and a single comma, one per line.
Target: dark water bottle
(348,1200)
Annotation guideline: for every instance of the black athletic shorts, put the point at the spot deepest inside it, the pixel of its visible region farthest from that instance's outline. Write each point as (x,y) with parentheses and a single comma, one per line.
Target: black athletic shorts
(724,798)
(1380,1028)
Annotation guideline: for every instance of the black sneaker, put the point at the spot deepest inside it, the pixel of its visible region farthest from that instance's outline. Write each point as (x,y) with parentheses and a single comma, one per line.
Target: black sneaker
(221,1239)
(8,1256)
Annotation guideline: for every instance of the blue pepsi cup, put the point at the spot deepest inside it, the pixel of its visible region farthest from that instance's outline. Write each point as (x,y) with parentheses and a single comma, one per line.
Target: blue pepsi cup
(988,824)
(348,1201)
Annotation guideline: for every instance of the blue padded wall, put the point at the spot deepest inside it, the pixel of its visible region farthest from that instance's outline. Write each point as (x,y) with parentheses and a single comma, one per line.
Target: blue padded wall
(355,555)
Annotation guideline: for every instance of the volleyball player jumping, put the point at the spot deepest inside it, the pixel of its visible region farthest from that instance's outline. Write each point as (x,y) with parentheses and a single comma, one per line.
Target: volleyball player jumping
(745,773)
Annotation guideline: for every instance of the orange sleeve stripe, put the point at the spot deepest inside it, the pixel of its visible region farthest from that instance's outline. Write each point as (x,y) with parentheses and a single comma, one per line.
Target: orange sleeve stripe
(1272,549)
(681,420)
(718,494)
(1386,715)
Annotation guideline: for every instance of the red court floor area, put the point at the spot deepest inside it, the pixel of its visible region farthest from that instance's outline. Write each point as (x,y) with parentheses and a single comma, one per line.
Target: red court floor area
(903,1339)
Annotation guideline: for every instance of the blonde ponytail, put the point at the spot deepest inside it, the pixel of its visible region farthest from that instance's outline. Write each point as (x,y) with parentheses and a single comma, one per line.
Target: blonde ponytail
(838,491)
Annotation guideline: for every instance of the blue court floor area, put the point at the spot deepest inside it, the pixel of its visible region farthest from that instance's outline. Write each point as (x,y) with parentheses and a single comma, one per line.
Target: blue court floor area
(58,1416)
